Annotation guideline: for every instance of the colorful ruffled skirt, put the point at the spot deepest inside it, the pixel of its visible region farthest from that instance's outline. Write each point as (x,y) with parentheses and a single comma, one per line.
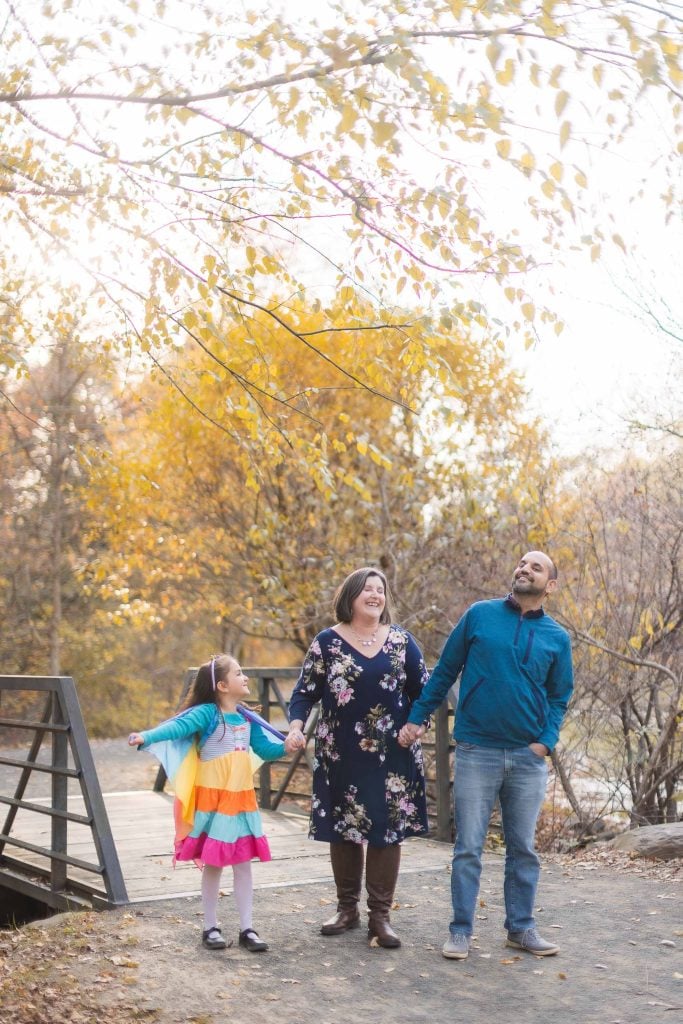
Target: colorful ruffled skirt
(216,815)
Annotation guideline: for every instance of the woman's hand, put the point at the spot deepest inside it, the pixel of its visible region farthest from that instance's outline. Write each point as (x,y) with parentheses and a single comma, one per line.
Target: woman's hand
(135,740)
(295,739)
(409,733)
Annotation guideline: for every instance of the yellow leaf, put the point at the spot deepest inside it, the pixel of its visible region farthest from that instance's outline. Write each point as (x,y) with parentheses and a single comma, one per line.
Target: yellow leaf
(619,241)
(555,76)
(493,51)
(529,310)
(507,75)
(548,188)
(503,147)
(348,118)
(383,131)
(557,171)
(528,161)
(561,101)
(565,132)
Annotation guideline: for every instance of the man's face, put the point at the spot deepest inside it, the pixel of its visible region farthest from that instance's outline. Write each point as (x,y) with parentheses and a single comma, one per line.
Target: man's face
(532,575)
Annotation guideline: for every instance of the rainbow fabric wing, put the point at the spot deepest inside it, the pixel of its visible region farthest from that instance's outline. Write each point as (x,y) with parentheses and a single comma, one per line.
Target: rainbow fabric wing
(180,760)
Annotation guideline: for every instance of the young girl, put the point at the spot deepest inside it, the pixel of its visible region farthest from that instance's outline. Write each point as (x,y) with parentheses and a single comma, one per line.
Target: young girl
(206,755)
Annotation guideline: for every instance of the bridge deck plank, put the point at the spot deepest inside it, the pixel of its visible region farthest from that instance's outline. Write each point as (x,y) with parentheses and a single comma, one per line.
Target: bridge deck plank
(142,827)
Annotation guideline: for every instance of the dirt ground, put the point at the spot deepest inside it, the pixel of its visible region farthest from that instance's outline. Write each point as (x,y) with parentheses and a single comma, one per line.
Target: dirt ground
(619,922)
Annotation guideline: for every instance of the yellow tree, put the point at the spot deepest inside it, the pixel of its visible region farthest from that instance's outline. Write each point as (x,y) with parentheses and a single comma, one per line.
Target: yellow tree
(245,531)
(187,163)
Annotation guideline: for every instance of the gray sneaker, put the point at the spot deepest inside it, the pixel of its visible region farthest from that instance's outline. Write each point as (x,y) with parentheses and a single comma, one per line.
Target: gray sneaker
(456,946)
(531,942)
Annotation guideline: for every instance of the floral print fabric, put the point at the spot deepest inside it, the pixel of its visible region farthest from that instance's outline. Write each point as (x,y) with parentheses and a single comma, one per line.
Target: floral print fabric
(365,786)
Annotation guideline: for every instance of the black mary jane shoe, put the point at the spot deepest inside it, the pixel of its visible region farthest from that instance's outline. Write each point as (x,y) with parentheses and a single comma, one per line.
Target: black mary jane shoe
(212,939)
(250,940)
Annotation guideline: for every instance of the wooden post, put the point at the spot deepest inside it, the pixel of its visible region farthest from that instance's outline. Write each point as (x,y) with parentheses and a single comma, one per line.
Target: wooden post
(60,792)
(444,807)
(263,687)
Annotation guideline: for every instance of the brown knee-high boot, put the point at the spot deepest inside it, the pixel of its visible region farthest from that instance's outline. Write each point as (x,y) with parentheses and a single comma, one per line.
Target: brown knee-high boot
(347,868)
(381,874)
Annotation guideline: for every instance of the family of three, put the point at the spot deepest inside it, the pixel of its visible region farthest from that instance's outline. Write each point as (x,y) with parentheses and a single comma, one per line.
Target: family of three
(368,676)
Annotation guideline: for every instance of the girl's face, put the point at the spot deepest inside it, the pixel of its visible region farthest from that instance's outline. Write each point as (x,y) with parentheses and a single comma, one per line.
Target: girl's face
(235,683)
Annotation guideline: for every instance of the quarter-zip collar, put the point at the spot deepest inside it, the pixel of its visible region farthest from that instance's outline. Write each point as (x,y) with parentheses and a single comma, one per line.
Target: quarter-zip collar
(535,613)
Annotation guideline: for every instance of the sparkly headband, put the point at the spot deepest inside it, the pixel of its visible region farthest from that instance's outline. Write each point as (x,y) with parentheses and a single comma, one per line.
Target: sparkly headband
(213,673)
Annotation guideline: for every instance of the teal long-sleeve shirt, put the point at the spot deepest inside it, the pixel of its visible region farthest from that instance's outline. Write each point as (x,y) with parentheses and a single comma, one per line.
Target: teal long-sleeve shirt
(517,676)
(201,718)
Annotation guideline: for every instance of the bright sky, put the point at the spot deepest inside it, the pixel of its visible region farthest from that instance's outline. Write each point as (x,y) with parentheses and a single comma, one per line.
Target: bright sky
(610,364)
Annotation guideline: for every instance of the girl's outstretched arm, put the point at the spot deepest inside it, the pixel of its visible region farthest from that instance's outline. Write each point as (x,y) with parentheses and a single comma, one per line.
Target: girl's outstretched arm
(135,739)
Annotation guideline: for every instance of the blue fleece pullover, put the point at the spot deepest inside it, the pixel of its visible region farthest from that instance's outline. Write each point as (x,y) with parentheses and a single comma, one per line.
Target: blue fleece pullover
(516,676)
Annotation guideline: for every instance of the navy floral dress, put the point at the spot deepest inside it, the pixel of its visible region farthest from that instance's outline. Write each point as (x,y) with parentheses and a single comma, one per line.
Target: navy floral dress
(365,785)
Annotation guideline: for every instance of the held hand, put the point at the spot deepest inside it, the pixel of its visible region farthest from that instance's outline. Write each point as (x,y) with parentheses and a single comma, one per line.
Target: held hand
(539,749)
(409,733)
(294,740)
(135,740)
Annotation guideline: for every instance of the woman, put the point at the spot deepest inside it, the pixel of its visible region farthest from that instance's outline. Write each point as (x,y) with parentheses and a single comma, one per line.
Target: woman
(366,673)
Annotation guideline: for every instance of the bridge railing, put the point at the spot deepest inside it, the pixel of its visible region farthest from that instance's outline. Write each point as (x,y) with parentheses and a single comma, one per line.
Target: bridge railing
(290,778)
(45,871)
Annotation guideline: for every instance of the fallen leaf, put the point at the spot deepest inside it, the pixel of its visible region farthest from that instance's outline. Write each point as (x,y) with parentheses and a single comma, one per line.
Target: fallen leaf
(668,942)
(601,967)
(374,942)
(511,960)
(562,975)
(537,972)
(388,970)
(122,961)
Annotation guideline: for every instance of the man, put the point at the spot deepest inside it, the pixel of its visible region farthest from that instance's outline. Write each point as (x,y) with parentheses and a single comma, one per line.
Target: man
(516,683)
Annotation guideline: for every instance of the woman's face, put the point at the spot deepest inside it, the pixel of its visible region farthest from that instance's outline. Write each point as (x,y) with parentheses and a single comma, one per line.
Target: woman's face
(371,599)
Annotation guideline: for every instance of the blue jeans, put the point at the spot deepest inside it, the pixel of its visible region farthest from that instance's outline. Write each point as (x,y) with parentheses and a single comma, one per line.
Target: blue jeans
(518,778)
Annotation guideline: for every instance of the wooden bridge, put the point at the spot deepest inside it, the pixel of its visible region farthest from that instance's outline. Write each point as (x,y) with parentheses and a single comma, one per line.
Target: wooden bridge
(142,830)
(79,847)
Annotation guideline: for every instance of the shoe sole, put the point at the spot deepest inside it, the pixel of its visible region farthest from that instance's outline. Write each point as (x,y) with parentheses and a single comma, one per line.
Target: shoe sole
(340,931)
(534,952)
(392,944)
(455,956)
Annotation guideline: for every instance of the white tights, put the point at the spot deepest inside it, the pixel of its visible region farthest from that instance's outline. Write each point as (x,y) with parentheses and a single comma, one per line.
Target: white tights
(243,893)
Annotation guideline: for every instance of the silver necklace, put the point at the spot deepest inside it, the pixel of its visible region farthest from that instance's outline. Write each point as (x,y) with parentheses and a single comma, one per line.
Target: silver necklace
(361,641)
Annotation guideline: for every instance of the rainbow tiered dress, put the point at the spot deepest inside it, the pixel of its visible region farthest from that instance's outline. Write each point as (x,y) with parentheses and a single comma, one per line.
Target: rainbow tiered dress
(209,760)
